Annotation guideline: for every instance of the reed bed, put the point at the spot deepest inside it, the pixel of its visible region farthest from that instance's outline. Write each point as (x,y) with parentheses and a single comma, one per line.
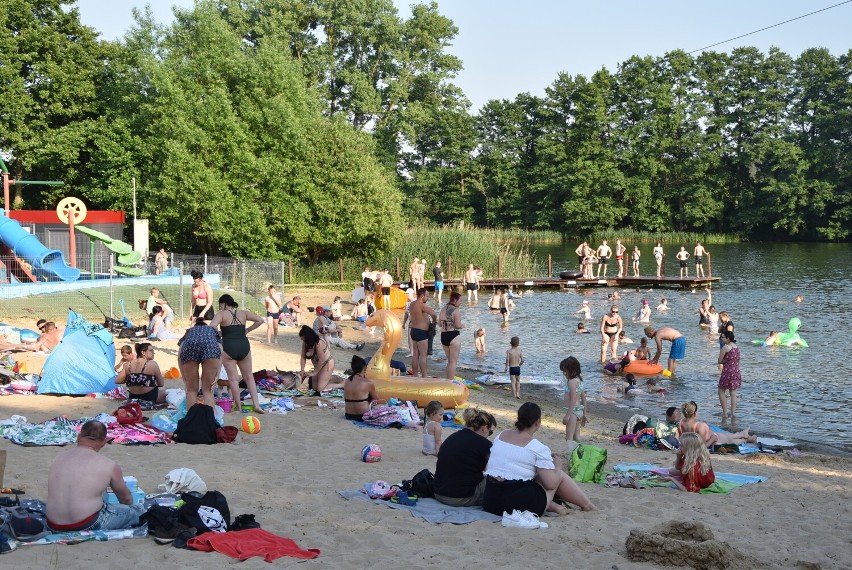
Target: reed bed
(629,235)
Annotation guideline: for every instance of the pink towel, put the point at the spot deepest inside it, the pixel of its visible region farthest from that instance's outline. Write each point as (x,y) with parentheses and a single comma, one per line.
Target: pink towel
(244,544)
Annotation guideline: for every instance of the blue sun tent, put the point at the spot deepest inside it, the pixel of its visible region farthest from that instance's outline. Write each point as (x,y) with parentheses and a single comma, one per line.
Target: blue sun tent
(82,363)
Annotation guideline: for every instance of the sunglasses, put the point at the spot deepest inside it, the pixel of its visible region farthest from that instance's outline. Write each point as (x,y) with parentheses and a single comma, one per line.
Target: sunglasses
(615,311)
(41,328)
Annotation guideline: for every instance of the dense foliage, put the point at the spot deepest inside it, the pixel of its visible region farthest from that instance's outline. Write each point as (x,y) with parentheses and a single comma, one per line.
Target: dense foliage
(318,128)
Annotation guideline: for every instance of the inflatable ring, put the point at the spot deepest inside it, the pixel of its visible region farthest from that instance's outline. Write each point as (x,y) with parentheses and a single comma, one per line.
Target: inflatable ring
(644,368)
(571,274)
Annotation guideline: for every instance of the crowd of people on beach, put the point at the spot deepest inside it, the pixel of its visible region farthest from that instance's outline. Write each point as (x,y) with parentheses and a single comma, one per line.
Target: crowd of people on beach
(587,258)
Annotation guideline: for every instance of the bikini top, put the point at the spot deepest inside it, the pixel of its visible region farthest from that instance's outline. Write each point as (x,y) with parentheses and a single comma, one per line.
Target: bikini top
(199,292)
(140,379)
(610,325)
(367,399)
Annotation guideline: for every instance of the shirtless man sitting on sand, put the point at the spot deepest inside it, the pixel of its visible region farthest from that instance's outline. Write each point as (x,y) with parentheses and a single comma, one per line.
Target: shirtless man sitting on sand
(76,483)
(420,314)
(49,339)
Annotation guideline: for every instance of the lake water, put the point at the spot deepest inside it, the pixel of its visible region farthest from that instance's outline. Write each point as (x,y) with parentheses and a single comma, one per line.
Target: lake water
(793,393)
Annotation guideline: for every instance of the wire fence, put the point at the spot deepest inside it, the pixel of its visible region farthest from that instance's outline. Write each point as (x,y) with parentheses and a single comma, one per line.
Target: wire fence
(101,293)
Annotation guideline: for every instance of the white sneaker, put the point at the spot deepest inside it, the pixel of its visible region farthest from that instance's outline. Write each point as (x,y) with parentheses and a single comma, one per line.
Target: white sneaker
(522,519)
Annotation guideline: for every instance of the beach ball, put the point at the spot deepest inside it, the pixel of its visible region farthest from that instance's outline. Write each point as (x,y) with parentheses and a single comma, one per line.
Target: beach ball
(371,453)
(251,424)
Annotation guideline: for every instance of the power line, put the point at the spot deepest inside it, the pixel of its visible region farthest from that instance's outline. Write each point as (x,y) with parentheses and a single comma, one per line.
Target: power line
(770,27)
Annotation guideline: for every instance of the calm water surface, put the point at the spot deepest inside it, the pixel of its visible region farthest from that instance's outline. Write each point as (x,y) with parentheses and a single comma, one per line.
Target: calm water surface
(794,393)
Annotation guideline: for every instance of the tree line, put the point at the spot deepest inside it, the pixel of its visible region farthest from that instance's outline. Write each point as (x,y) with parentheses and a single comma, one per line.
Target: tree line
(319,128)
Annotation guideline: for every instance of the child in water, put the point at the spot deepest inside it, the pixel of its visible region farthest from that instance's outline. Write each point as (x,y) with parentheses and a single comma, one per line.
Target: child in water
(692,465)
(434,412)
(479,341)
(770,340)
(514,360)
(581,329)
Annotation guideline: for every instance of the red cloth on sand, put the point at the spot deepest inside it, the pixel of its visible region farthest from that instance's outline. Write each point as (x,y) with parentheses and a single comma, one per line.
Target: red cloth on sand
(244,544)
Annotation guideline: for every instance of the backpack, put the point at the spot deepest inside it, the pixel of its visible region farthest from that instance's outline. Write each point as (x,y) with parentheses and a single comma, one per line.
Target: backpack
(422,484)
(587,464)
(198,426)
(207,513)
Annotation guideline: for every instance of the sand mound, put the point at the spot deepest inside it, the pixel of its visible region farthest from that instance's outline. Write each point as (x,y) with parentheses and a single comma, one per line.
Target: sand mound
(682,543)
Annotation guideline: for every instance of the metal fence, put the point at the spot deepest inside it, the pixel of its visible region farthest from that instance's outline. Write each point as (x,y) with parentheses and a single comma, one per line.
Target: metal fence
(116,297)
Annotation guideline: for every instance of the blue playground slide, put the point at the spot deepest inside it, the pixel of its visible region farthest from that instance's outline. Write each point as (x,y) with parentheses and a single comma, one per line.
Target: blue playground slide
(47,264)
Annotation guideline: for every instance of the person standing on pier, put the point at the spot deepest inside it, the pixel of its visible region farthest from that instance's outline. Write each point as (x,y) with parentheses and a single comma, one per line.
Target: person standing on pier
(604,253)
(471,283)
(658,257)
(636,256)
(611,326)
(581,253)
(699,254)
(682,256)
(620,250)
(678,350)
(438,272)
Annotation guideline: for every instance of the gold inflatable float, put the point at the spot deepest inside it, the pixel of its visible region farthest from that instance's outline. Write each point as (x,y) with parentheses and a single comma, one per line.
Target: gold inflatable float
(450,393)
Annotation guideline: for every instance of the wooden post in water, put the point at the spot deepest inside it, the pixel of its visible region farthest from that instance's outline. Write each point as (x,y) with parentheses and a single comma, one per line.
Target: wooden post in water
(626,264)
(289,270)
(709,267)
(499,266)
(341,270)
(449,266)
(663,267)
(549,265)
(397,269)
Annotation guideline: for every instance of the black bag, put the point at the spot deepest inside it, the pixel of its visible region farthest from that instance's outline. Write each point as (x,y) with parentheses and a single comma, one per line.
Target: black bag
(160,518)
(207,513)
(421,484)
(198,426)
(133,332)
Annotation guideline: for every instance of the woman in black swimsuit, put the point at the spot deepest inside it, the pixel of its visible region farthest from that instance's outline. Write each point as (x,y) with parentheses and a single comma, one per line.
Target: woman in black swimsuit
(236,350)
(450,321)
(611,325)
(358,391)
(143,376)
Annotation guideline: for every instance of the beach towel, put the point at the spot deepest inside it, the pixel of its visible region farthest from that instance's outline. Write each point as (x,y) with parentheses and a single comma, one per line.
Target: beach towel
(136,434)
(723,484)
(36,435)
(245,544)
(431,510)
(77,537)
(446,423)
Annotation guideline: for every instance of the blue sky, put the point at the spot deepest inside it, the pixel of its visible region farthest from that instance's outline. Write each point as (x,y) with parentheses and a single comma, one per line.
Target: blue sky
(511,46)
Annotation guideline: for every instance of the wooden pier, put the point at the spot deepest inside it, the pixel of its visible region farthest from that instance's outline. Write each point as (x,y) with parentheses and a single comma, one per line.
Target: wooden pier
(615,282)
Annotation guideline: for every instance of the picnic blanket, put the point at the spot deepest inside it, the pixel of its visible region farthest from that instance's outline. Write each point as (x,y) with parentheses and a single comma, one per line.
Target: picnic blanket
(446,423)
(63,431)
(650,474)
(430,510)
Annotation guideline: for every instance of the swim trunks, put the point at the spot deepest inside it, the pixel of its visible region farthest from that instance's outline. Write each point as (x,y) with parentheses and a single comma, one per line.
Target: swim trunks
(678,351)
(418,335)
(472,287)
(447,337)
(603,260)
(515,370)
(439,285)
(699,260)
(385,291)
(683,264)
(503,310)
(275,316)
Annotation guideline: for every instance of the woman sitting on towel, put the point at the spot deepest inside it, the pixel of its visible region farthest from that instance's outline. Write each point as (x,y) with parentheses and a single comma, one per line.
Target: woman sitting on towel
(462,458)
(523,474)
(143,377)
(358,391)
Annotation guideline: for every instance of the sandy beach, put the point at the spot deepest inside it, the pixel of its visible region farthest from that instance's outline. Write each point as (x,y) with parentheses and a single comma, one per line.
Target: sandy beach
(288,475)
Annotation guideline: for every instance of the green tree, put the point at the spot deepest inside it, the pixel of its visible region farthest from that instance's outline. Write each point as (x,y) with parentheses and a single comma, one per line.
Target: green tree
(49,69)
